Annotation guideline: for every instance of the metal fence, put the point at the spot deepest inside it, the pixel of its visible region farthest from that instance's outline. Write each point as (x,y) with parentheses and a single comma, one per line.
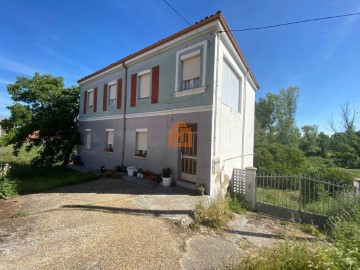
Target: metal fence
(303,194)
(237,183)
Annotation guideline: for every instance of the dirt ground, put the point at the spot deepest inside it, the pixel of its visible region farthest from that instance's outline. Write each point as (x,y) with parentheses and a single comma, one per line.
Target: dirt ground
(121,224)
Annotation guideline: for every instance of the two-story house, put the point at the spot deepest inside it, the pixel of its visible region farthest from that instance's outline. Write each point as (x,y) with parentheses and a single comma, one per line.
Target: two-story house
(185,102)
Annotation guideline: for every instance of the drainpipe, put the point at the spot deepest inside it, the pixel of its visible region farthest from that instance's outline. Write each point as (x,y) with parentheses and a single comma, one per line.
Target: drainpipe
(124,115)
(244,117)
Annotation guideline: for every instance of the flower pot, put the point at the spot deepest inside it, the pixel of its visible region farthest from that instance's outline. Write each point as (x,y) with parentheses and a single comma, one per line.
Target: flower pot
(200,192)
(166,181)
(130,171)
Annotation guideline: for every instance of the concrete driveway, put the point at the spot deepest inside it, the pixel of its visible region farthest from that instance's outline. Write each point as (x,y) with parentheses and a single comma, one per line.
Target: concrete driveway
(120,224)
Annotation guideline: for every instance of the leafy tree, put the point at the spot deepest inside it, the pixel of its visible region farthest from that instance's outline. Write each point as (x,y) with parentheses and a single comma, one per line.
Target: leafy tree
(44,114)
(275,117)
(309,142)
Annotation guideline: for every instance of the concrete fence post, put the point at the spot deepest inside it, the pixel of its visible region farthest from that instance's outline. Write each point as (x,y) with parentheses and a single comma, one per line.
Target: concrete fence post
(250,186)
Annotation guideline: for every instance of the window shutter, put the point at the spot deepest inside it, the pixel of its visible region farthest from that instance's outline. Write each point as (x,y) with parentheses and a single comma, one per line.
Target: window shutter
(119,94)
(142,141)
(133,90)
(95,99)
(191,68)
(85,100)
(155,85)
(105,97)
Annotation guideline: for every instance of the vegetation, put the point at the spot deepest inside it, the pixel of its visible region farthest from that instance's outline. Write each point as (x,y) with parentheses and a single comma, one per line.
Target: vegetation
(43,116)
(216,213)
(24,178)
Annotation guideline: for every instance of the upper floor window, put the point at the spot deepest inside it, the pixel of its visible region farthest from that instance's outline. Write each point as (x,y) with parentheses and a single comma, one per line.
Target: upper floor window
(190,76)
(144,84)
(230,94)
(112,93)
(190,70)
(90,98)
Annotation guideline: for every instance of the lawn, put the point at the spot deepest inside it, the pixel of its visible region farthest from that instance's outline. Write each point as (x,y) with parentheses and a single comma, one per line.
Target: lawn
(32,179)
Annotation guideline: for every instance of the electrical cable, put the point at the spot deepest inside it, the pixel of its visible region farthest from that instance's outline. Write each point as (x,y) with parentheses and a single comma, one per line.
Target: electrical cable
(178,13)
(290,23)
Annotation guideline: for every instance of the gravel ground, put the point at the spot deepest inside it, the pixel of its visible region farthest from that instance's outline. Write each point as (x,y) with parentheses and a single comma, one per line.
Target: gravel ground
(118,224)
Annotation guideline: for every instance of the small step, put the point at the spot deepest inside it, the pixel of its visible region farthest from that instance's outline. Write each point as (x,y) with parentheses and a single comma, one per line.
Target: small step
(186,184)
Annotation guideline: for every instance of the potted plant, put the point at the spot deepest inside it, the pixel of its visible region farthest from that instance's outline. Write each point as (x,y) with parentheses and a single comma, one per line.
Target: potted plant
(166,177)
(130,171)
(140,173)
(200,190)
(108,148)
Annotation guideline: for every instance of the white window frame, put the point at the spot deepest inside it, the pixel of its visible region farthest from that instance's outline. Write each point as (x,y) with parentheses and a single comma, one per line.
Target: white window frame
(112,101)
(88,140)
(91,91)
(201,48)
(137,150)
(232,69)
(110,144)
(148,91)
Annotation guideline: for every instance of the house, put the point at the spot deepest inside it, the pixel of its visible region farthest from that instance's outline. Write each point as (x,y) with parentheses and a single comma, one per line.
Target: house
(185,102)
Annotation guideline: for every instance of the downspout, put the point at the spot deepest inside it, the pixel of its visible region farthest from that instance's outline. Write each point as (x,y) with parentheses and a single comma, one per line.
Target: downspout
(216,92)
(124,115)
(244,117)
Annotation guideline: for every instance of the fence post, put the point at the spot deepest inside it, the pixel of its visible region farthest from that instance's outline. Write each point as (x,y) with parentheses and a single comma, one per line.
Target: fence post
(250,186)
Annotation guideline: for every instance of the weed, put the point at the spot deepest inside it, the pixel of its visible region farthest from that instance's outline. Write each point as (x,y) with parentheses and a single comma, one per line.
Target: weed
(292,255)
(310,229)
(19,215)
(8,187)
(235,203)
(215,215)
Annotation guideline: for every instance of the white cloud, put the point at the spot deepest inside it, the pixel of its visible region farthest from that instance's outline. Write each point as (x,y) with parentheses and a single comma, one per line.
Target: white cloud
(11,65)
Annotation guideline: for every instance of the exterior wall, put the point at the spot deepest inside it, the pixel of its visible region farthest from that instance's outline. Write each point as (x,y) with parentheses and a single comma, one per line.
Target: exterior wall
(166,60)
(159,154)
(233,130)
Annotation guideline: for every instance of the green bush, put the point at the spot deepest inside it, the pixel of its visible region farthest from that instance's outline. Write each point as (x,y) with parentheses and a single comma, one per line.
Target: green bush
(278,159)
(8,187)
(235,203)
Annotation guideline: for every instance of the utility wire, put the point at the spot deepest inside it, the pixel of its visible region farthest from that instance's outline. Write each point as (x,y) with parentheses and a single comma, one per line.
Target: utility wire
(289,23)
(178,13)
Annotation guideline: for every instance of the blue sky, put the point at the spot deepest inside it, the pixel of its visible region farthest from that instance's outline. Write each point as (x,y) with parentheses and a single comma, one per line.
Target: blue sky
(74,38)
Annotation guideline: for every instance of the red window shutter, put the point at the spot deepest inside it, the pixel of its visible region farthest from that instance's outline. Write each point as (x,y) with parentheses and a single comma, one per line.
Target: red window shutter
(119,94)
(105,97)
(155,85)
(85,100)
(95,99)
(133,90)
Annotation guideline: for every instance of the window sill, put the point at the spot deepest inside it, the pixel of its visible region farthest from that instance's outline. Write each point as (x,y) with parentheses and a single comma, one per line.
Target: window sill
(140,157)
(189,92)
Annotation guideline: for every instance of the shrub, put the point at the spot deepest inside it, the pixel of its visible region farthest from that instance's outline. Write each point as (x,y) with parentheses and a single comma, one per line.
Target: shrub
(8,187)
(278,159)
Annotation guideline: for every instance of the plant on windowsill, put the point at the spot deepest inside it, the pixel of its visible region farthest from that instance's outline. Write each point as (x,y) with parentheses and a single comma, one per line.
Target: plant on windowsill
(166,177)
(200,190)
(141,153)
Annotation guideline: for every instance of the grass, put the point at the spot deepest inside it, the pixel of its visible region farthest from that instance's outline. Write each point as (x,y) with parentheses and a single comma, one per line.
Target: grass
(30,179)
(19,215)
(355,173)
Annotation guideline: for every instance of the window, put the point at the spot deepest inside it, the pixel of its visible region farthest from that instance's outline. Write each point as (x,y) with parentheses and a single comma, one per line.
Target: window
(141,143)
(190,71)
(144,82)
(190,74)
(112,93)
(109,140)
(91,98)
(88,138)
(230,94)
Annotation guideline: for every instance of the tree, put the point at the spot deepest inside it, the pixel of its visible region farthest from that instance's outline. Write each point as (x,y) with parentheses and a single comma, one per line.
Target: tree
(44,114)
(309,142)
(275,116)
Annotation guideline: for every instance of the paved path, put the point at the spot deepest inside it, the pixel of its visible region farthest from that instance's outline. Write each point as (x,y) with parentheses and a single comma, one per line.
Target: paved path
(115,224)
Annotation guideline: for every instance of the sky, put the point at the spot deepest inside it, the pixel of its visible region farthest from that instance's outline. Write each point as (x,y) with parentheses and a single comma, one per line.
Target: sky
(75,38)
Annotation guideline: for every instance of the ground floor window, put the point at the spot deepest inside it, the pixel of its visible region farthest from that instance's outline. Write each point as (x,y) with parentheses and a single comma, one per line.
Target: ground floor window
(109,140)
(141,143)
